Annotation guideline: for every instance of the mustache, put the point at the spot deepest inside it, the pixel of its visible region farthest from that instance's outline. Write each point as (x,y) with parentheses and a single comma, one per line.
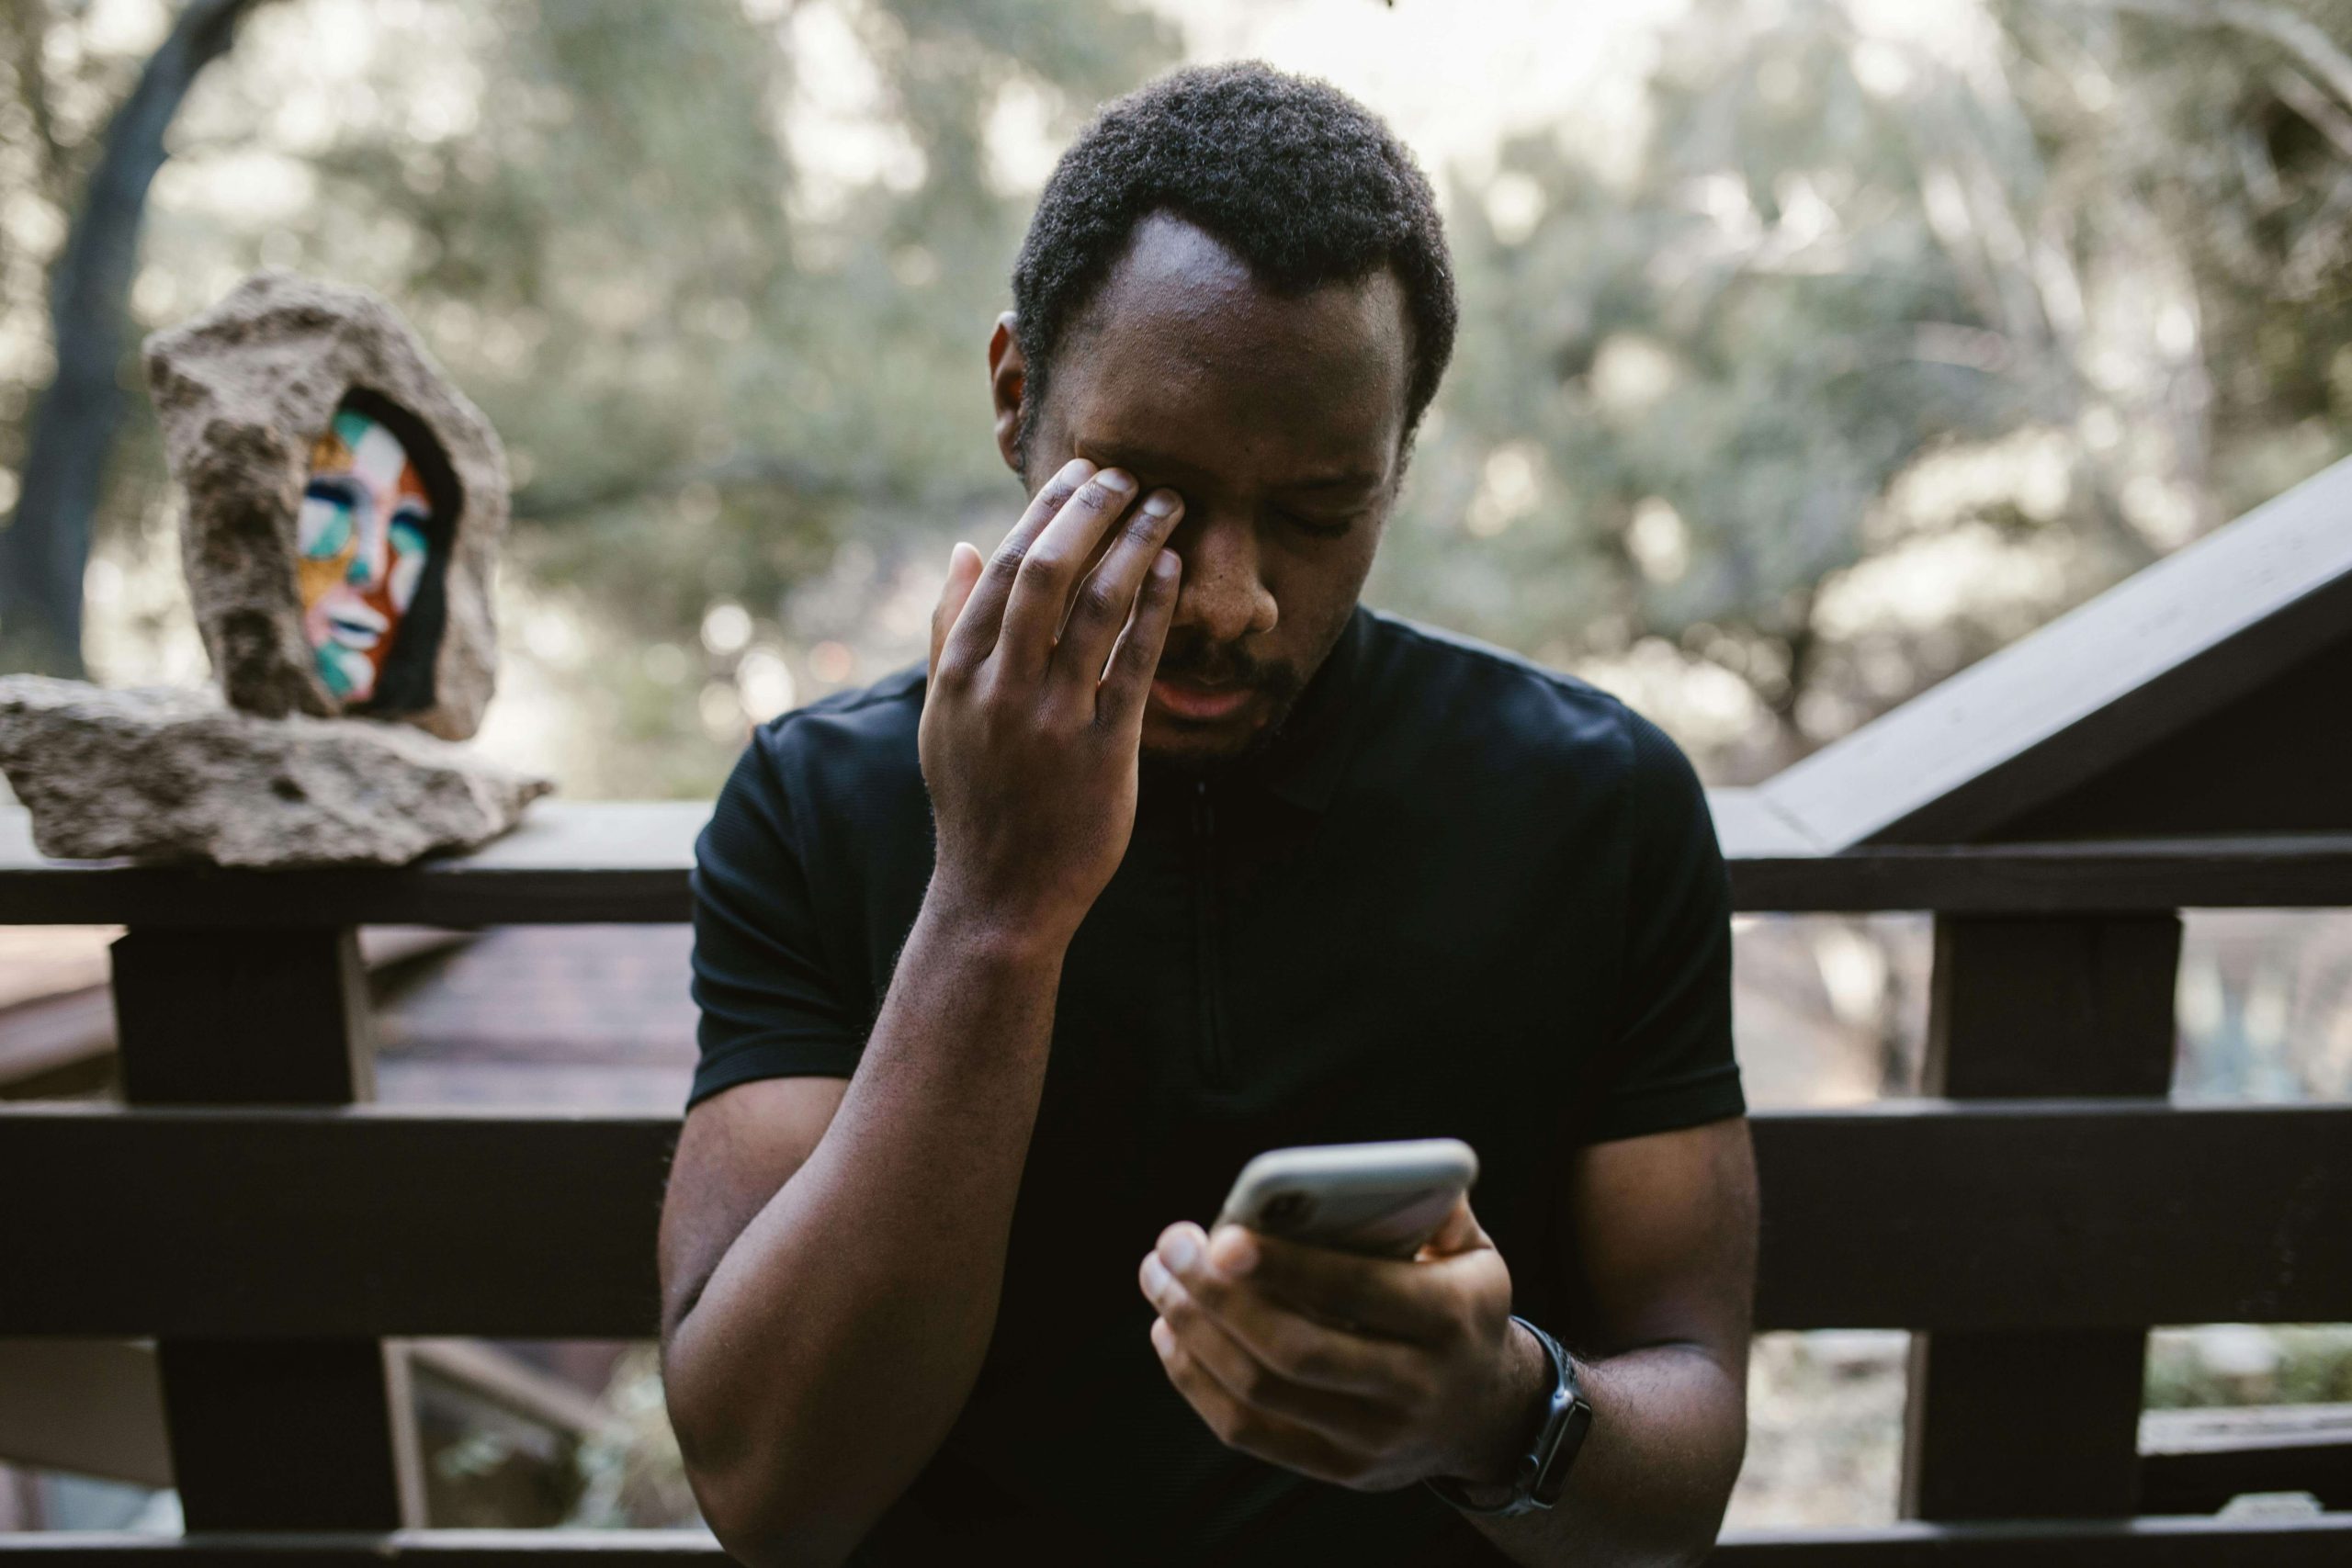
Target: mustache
(1195,659)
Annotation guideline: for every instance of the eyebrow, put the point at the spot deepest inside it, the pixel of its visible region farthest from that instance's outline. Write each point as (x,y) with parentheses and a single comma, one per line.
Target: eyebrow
(1112,454)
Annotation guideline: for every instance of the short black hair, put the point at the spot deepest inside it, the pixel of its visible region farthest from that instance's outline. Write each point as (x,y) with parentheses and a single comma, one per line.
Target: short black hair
(1302,182)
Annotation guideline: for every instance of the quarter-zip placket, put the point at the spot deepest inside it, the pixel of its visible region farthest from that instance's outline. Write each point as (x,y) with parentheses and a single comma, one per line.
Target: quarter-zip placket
(1215,1067)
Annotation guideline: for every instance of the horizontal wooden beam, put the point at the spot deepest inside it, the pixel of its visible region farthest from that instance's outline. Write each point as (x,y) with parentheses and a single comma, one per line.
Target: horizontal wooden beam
(272,1224)
(2196,1460)
(2275,872)
(2090,1543)
(2321,1541)
(590,863)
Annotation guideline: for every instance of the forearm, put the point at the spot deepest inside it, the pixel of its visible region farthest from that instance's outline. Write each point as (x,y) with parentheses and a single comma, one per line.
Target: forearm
(1669,1428)
(839,1336)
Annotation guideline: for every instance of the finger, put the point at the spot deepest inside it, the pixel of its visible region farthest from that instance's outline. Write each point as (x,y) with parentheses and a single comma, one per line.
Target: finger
(1127,682)
(1354,1423)
(964,566)
(1105,601)
(1051,568)
(975,631)
(1237,1426)
(1277,1335)
(1393,1296)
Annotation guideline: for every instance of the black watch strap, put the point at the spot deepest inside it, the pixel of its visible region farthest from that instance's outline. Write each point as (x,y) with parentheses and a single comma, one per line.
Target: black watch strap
(1542,1471)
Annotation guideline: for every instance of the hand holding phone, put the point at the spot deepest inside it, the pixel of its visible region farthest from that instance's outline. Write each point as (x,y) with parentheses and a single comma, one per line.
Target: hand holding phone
(1379,1199)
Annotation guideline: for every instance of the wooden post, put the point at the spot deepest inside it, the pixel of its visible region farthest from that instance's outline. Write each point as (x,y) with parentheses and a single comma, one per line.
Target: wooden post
(267,1434)
(2038,1424)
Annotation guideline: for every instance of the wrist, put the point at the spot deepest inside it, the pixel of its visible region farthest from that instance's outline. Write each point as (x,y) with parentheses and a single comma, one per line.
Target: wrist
(992,932)
(1522,1384)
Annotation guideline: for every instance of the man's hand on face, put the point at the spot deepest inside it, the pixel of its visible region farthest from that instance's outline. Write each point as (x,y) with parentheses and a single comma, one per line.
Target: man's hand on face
(1370,1373)
(1033,718)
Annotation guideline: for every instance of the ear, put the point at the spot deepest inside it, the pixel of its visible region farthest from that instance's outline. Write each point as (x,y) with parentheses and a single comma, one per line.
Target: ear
(1007,383)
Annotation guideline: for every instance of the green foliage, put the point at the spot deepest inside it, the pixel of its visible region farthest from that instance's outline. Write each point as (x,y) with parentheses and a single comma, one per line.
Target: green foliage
(1885,334)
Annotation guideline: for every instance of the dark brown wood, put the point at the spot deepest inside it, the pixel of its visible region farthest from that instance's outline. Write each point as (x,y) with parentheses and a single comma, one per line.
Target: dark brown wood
(2191,636)
(379,1221)
(2025,1008)
(2011,1425)
(267,1016)
(246,1416)
(581,863)
(364,1222)
(2194,1461)
(268,1436)
(2052,1543)
(2296,871)
(2323,1541)
(569,863)
(436,1549)
(2277,761)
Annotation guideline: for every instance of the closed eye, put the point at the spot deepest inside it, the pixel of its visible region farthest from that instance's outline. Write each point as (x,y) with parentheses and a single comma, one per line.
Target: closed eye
(1316,527)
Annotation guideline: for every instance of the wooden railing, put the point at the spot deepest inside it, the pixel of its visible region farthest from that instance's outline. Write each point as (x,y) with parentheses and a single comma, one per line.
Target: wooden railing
(248,1209)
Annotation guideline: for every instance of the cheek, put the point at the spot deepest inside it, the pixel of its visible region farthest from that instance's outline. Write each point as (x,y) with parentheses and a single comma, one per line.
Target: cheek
(1317,582)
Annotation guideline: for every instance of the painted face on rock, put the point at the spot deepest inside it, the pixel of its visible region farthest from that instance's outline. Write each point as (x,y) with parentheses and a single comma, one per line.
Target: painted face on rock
(365,542)
(1279,419)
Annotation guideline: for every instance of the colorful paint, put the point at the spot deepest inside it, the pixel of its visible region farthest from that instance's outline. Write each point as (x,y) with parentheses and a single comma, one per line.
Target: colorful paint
(365,536)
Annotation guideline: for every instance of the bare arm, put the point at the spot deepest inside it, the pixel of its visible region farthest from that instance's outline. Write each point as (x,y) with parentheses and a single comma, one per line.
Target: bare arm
(832,1254)
(1667,1228)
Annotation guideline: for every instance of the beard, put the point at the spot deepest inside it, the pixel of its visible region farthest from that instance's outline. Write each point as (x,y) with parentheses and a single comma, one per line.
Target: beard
(1278,684)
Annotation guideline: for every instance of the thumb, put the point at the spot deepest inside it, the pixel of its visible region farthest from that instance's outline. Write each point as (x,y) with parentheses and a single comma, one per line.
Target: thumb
(1460,1233)
(963,573)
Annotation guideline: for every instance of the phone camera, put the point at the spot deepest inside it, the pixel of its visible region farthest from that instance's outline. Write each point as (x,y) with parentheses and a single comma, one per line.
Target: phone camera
(1285,1210)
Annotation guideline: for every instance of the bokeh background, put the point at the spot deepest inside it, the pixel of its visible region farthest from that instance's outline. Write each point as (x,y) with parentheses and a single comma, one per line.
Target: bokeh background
(1810,349)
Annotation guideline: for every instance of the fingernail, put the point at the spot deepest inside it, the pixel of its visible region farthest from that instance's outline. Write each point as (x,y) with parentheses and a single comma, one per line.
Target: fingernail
(1166,564)
(1076,471)
(1116,478)
(1155,1276)
(1161,502)
(1180,1250)
(1233,1251)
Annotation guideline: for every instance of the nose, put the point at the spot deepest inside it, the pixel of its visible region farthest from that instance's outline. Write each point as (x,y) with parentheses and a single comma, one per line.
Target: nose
(1224,597)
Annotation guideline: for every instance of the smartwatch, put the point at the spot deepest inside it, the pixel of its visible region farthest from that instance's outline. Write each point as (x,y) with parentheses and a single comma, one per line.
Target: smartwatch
(1544,1470)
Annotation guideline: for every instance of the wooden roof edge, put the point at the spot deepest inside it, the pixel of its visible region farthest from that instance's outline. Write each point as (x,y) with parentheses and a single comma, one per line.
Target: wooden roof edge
(2163,648)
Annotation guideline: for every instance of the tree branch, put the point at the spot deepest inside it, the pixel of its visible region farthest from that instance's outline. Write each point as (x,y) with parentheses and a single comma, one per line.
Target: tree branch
(46,547)
(2298,36)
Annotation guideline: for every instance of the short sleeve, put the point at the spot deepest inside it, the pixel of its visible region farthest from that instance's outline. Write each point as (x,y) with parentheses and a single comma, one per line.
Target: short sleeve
(769,1006)
(1669,1064)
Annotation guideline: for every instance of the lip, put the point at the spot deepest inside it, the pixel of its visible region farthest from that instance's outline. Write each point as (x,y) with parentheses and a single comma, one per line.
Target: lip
(1199,705)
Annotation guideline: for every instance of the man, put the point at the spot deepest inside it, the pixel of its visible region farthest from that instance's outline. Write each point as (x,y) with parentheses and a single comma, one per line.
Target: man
(1172,855)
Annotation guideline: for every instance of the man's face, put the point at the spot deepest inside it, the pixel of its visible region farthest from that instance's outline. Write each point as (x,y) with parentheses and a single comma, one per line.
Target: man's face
(1279,420)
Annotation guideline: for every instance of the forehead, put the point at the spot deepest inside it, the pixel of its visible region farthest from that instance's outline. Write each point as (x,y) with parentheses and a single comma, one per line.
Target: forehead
(365,447)
(1184,348)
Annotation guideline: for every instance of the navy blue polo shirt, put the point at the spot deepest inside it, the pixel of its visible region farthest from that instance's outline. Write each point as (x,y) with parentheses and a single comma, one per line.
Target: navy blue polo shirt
(1458,896)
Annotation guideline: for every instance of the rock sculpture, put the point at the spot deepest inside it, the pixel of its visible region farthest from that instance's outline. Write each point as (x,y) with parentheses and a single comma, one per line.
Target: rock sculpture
(345,506)
(312,432)
(175,774)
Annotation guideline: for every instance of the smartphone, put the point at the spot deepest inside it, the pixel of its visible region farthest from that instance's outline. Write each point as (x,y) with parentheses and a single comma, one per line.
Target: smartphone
(1380,1200)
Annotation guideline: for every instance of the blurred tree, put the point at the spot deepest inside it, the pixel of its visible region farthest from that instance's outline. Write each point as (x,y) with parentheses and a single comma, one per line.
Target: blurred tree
(1891,331)
(721,272)
(1868,312)
(45,545)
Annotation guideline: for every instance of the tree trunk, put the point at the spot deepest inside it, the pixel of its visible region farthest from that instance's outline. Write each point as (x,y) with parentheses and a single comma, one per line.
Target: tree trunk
(45,547)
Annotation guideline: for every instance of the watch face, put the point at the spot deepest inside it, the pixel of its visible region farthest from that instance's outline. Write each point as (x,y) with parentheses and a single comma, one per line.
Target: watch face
(1570,1424)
